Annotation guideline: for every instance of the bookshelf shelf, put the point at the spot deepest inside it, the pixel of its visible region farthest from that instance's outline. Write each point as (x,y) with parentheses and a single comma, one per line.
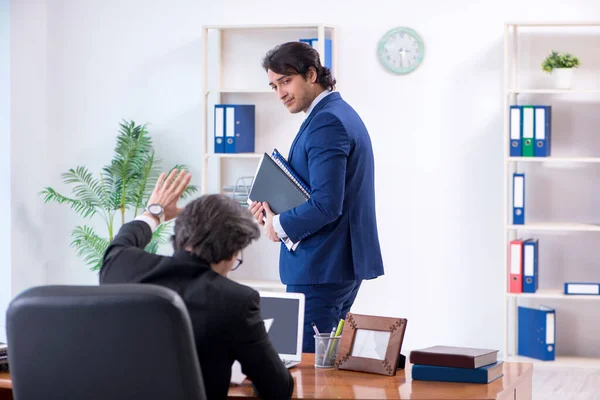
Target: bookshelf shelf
(567,24)
(233,155)
(270,27)
(561,227)
(554,294)
(554,159)
(239,90)
(552,91)
(560,361)
(513,87)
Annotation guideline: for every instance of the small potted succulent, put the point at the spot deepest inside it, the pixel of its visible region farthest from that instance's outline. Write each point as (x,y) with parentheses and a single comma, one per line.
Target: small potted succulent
(561,66)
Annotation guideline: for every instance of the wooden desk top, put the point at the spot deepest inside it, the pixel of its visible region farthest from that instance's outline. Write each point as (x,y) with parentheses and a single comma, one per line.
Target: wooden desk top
(314,383)
(5,382)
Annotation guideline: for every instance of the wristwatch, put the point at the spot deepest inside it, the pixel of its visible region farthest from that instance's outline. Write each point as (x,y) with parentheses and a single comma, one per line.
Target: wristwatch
(156,210)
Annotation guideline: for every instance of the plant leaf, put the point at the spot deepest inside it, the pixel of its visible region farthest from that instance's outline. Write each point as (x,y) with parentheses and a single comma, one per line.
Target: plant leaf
(87,188)
(89,246)
(559,60)
(147,181)
(159,236)
(83,208)
(190,189)
(133,148)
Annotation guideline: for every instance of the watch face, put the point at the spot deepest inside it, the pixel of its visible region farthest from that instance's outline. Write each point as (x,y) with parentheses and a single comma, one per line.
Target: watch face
(155,209)
(401,50)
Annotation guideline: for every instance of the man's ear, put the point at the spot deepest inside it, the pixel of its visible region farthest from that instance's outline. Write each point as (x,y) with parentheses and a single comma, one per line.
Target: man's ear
(312,75)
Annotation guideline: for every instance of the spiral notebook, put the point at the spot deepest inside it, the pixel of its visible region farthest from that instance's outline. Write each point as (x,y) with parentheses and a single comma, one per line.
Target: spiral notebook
(276,183)
(282,162)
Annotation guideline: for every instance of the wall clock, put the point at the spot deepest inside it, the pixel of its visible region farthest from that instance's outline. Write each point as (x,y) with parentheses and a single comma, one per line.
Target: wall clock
(401,50)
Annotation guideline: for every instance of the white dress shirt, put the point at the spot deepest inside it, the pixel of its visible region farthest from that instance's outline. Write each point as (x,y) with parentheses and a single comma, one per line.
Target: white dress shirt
(149,220)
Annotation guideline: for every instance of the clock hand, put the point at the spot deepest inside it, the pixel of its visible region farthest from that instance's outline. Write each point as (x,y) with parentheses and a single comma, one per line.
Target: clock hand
(403,52)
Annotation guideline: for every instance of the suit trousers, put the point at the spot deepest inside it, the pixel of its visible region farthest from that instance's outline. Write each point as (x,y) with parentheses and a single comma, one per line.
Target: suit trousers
(325,305)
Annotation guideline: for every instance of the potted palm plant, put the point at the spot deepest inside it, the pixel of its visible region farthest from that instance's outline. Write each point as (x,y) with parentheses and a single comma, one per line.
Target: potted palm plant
(561,66)
(124,185)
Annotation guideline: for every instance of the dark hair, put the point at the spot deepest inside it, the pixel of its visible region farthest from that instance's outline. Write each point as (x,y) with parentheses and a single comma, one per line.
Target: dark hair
(296,58)
(214,228)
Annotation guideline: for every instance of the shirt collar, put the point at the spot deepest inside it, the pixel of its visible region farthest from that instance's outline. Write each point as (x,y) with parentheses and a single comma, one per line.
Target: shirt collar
(317,100)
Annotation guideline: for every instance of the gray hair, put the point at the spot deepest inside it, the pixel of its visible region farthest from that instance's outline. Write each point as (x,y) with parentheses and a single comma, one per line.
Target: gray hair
(214,228)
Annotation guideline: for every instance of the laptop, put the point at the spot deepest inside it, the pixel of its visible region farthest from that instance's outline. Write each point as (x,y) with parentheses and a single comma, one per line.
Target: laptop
(284,316)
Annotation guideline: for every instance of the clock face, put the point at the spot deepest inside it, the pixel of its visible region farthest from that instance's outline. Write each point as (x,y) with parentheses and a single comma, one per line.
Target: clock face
(401,50)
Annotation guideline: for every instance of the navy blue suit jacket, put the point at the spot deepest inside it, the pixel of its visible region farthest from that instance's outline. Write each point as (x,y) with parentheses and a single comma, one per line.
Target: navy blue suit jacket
(338,228)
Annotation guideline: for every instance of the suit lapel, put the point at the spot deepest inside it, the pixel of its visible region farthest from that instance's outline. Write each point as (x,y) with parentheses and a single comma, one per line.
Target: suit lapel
(318,107)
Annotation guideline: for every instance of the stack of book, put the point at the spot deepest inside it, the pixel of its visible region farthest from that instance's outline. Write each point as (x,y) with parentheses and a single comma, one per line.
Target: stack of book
(456,364)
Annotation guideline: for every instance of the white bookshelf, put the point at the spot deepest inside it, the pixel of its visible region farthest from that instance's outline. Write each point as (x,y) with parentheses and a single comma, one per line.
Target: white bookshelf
(248,84)
(512,91)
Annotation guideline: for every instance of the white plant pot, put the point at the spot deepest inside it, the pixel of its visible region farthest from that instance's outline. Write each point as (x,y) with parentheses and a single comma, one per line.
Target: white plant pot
(563,78)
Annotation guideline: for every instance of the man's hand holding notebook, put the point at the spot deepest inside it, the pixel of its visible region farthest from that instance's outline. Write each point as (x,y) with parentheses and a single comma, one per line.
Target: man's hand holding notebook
(277,184)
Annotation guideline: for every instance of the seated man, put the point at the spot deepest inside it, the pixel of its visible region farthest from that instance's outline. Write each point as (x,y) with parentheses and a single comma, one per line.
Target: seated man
(209,236)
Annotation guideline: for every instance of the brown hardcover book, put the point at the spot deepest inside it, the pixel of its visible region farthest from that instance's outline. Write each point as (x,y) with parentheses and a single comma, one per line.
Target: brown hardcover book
(458,357)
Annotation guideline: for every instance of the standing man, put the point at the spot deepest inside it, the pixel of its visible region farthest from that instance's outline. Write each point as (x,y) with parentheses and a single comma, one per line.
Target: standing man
(332,243)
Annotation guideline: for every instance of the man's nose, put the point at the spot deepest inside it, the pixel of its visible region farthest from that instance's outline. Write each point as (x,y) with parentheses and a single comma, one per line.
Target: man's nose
(282,93)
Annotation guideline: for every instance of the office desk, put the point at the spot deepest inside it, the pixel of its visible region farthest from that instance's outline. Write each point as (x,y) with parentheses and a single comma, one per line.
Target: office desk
(5,386)
(311,383)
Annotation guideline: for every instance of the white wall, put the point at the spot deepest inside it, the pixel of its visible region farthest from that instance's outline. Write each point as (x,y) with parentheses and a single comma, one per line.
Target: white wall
(437,133)
(33,147)
(5,161)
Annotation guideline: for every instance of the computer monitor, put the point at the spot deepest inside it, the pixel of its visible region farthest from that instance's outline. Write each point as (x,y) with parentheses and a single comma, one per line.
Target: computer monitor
(286,312)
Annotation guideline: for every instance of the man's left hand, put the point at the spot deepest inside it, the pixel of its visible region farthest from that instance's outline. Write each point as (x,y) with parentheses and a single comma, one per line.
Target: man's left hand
(269,230)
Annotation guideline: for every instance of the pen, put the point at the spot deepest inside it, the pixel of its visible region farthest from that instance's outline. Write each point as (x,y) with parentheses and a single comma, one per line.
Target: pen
(329,348)
(339,328)
(315,328)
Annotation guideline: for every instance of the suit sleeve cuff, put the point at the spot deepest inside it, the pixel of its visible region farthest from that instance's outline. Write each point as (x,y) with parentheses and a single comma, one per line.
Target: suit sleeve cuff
(278,228)
(149,220)
(291,246)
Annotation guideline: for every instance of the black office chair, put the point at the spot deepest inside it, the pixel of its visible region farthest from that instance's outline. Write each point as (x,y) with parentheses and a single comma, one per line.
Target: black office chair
(102,342)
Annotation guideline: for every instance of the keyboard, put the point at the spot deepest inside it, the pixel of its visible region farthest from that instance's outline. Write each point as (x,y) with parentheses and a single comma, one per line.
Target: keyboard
(290,363)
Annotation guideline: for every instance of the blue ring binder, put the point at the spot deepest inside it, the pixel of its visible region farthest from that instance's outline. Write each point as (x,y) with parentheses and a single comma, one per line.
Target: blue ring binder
(280,160)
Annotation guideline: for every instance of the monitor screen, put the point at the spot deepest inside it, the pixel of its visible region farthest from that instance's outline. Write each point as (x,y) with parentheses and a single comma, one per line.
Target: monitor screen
(284,328)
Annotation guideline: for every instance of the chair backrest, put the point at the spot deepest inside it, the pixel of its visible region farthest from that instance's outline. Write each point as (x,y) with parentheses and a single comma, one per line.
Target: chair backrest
(120,341)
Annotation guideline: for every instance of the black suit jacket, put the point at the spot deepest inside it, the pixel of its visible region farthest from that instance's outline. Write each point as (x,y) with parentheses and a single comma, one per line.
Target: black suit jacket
(225,315)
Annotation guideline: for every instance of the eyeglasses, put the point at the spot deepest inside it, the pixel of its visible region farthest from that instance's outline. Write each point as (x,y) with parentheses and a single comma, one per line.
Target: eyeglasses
(239,262)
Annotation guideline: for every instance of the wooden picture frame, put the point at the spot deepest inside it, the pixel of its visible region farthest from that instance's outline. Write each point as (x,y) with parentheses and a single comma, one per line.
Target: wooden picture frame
(368,355)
